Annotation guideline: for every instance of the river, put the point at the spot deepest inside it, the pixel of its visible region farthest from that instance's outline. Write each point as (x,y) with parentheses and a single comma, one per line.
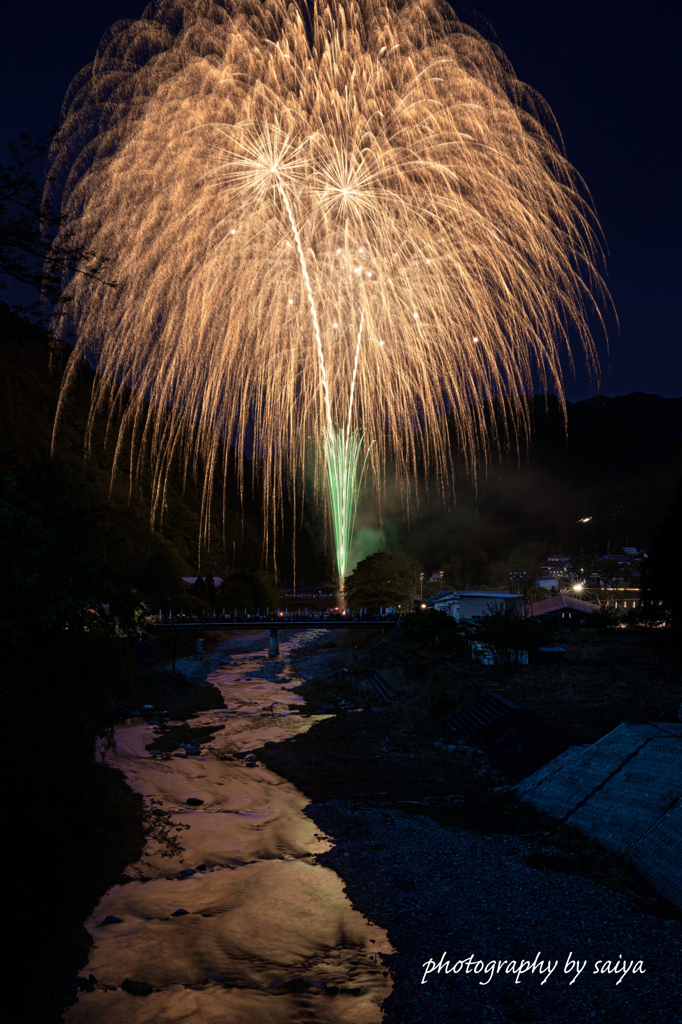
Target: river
(267,934)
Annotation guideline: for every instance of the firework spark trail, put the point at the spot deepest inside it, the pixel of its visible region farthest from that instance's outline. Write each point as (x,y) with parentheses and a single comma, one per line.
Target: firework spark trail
(355,373)
(313,311)
(424,187)
(341,448)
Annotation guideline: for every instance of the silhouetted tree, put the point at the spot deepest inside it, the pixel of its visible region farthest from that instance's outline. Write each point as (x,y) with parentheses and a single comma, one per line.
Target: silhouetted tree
(470,569)
(160,578)
(506,633)
(432,626)
(36,247)
(381,580)
(205,589)
(243,589)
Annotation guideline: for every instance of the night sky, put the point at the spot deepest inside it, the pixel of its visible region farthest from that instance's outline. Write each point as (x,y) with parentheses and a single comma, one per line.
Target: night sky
(611,73)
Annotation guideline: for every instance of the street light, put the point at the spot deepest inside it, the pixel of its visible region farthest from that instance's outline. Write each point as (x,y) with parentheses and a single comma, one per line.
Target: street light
(421,586)
(517,578)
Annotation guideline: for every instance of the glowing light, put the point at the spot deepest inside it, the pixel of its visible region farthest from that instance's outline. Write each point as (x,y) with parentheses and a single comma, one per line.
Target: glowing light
(386,122)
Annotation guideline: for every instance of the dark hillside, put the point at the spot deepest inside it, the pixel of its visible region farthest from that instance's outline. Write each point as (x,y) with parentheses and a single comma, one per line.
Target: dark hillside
(613,469)
(650,410)
(30,377)
(72,552)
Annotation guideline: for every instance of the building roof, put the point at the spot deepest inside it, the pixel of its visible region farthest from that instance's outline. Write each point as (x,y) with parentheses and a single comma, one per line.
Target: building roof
(455,595)
(486,593)
(558,603)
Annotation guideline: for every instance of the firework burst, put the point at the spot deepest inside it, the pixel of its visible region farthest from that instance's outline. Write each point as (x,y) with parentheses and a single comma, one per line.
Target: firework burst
(343,220)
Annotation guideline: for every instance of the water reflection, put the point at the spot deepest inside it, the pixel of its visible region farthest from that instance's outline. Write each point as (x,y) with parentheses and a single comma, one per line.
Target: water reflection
(267,935)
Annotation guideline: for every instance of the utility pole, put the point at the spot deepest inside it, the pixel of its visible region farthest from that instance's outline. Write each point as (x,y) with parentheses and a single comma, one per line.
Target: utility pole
(516,578)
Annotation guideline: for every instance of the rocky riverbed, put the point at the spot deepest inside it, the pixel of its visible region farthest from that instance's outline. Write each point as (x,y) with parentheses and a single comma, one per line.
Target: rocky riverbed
(445,895)
(434,847)
(409,890)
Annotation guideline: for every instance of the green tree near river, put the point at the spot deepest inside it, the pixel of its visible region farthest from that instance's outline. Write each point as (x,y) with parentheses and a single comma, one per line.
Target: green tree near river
(382,580)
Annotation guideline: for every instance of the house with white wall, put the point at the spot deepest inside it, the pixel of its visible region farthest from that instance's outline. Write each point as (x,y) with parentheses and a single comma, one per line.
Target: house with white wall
(473,604)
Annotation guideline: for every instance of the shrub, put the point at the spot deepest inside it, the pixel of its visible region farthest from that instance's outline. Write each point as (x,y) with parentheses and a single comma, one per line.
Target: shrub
(430,627)
(505,633)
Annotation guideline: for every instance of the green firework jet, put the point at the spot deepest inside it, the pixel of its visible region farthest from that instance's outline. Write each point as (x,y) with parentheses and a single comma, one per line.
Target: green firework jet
(343,451)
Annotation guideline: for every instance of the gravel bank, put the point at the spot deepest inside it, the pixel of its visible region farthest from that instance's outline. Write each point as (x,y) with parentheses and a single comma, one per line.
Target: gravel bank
(441,889)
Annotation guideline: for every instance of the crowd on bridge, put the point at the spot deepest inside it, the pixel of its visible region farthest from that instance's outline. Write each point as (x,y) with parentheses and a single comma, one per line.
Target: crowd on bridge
(297,616)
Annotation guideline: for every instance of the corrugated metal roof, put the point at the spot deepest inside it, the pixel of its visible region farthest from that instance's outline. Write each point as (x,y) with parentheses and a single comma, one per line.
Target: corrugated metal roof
(625,791)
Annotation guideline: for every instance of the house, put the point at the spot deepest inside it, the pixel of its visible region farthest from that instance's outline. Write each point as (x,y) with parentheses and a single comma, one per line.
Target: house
(444,601)
(473,604)
(561,608)
(561,562)
(552,571)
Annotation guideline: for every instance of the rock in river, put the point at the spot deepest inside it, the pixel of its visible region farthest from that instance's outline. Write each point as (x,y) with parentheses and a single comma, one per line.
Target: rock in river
(136,988)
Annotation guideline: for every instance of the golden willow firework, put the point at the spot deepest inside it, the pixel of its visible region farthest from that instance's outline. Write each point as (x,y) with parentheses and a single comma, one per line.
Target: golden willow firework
(336,221)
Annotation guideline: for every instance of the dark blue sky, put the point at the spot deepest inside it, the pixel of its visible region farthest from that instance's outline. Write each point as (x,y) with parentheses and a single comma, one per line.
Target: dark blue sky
(611,72)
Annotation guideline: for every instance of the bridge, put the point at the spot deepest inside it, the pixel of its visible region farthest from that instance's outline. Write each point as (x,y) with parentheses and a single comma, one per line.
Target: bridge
(274,625)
